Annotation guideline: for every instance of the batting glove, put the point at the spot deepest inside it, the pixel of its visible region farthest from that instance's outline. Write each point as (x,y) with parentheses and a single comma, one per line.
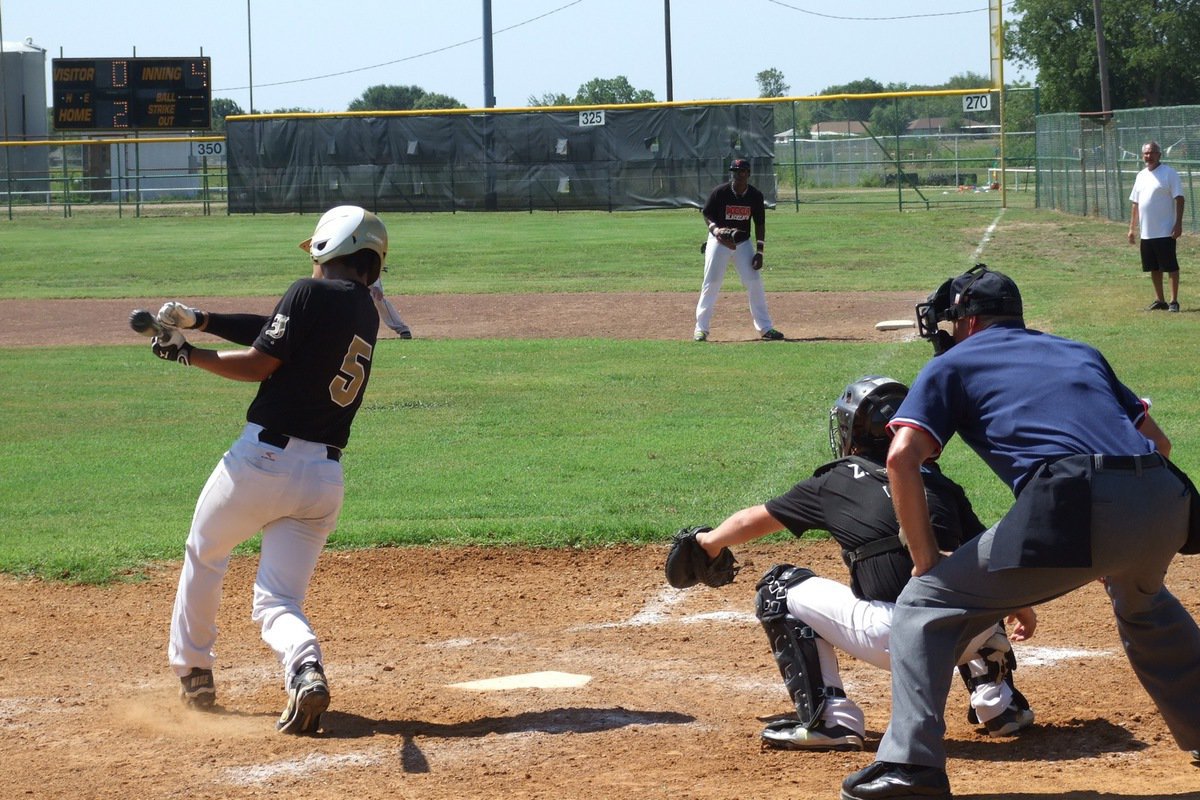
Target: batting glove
(177,315)
(756,261)
(172,347)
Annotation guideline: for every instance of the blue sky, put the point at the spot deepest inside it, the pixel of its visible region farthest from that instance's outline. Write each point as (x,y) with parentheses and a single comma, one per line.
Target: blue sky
(322,55)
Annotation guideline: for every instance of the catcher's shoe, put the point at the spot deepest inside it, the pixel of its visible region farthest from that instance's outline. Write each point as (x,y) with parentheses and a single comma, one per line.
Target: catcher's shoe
(1013,719)
(789,734)
(308,697)
(197,690)
(772,335)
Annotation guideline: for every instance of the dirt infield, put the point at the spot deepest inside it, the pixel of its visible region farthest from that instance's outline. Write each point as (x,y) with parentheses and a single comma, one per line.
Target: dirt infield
(675,685)
(802,316)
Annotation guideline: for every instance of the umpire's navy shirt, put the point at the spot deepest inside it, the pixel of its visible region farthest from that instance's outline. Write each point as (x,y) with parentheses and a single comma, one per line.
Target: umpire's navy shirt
(1020,397)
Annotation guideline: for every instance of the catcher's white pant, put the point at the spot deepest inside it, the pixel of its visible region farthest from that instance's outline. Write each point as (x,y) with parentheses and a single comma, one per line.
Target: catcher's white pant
(716,259)
(863,629)
(294,497)
(387,312)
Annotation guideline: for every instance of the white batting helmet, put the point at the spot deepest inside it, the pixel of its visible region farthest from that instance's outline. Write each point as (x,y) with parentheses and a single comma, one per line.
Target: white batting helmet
(344,230)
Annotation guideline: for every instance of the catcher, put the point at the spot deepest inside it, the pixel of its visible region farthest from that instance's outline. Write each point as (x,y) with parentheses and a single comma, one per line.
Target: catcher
(805,616)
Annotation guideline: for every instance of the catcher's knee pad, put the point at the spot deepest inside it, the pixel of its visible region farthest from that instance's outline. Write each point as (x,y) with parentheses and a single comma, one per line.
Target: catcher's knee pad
(793,643)
(1000,660)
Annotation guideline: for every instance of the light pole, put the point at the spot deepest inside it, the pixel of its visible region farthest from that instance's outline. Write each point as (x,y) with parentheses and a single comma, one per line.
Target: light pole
(250,55)
(667,27)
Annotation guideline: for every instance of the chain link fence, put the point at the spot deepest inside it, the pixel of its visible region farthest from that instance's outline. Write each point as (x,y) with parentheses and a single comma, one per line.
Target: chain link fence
(1086,163)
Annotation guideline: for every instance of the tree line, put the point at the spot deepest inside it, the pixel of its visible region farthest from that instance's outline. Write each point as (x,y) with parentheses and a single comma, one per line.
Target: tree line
(1152,47)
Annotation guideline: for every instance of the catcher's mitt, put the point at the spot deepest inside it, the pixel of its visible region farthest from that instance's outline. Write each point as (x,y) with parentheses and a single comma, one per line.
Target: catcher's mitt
(688,564)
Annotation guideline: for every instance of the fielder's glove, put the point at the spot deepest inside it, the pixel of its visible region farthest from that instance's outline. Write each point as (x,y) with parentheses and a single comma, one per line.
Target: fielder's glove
(726,237)
(688,564)
(172,347)
(177,315)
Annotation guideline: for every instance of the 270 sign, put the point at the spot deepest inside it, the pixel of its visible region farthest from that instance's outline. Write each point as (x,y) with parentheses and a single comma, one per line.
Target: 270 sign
(977,102)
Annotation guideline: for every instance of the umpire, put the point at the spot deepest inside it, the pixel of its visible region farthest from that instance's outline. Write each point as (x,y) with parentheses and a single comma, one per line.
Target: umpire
(1096,498)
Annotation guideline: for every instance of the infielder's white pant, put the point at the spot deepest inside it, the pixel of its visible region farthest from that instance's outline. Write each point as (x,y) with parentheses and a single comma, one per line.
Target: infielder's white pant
(716,260)
(387,312)
(294,497)
(863,629)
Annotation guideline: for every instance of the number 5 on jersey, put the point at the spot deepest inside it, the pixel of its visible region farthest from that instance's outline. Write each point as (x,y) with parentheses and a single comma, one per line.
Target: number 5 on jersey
(352,376)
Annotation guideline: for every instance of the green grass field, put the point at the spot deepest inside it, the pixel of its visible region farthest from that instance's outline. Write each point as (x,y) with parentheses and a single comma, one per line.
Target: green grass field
(580,442)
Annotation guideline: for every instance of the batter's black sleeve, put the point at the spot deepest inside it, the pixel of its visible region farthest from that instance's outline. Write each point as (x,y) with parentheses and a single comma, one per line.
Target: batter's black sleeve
(237,328)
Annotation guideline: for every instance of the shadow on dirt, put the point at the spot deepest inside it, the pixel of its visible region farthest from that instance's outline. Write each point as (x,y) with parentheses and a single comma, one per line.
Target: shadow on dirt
(340,725)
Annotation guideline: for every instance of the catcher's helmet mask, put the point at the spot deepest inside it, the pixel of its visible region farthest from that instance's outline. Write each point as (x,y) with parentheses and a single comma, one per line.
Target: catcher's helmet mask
(858,420)
(977,292)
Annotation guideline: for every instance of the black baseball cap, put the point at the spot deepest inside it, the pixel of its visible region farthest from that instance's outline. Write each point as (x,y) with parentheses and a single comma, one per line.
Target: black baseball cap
(740,164)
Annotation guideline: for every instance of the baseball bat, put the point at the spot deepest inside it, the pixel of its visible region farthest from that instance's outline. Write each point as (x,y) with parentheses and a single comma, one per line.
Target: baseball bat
(145,323)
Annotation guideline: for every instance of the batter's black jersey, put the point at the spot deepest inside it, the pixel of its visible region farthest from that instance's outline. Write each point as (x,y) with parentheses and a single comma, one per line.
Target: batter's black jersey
(324,333)
(729,210)
(850,499)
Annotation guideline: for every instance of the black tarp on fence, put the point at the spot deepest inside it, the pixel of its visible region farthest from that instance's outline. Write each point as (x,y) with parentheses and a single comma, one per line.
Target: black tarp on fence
(610,159)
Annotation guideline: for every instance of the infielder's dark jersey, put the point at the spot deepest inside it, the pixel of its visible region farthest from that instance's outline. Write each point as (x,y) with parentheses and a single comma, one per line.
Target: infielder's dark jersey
(324,333)
(729,210)
(850,499)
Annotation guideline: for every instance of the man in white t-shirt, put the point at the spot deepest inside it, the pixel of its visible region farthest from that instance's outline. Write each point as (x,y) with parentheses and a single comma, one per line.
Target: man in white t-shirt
(1157,216)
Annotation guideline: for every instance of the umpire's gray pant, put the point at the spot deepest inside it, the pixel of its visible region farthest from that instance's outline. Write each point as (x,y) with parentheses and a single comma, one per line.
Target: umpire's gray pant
(1139,522)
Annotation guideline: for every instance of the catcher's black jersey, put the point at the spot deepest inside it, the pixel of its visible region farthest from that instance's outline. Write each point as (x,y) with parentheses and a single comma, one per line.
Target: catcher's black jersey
(324,333)
(728,210)
(850,499)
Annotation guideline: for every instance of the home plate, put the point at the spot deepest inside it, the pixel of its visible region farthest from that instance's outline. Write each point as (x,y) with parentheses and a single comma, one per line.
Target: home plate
(894,324)
(528,680)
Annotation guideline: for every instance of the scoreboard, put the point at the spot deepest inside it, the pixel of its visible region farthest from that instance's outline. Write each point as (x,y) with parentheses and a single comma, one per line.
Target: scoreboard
(120,94)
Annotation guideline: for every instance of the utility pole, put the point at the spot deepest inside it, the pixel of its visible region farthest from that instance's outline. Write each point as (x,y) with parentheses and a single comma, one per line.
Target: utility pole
(667,27)
(1102,54)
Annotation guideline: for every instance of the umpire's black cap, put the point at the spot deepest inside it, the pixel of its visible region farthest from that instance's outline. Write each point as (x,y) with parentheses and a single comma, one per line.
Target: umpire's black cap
(740,164)
(980,290)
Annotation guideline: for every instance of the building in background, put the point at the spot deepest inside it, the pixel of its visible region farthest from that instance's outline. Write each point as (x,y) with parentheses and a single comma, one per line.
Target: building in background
(23,117)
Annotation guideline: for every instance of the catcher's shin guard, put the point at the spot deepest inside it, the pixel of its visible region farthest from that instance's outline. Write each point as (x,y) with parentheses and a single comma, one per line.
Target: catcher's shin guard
(792,642)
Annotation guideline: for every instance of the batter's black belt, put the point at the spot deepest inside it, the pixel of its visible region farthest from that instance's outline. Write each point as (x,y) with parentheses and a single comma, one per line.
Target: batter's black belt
(281,440)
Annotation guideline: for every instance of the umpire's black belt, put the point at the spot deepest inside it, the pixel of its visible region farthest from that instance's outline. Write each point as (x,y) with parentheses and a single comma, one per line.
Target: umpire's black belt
(281,440)
(1127,463)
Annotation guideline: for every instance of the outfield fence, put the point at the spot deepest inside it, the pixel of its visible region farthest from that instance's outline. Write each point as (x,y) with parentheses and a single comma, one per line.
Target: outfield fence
(1086,163)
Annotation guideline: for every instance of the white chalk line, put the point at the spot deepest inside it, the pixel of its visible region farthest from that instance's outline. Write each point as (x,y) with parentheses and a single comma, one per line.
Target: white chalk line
(257,774)
(987,237)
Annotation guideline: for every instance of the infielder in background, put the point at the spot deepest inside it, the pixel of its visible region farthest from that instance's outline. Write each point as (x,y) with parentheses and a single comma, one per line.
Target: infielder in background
(283,476)
(387,312)
(806,616)
(1096,498)
(730,209)
(1156,215)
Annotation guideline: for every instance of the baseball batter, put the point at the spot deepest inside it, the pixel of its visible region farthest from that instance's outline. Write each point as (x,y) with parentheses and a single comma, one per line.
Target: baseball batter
(283,476)
(729,212)
(806,616)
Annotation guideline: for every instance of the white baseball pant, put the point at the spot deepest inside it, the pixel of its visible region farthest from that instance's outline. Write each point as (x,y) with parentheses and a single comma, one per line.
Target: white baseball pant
(293,495)
(863,628)
(716,259)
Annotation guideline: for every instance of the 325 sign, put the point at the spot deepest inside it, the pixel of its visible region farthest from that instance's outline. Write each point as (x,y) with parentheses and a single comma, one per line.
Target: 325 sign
(976,103)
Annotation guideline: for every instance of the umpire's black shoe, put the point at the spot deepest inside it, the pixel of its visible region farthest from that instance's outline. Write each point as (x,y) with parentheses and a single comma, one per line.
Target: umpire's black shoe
(308,697)
(884,780)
